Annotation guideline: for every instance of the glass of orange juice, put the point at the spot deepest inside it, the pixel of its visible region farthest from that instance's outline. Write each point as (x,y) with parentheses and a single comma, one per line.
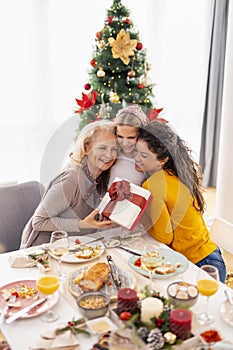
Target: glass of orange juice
(207,285)
(48,285)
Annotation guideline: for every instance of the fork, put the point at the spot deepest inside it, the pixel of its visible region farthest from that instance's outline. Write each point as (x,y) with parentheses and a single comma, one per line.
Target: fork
(9,304)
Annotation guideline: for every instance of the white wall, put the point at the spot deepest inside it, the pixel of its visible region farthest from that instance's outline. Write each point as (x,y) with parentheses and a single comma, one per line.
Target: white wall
(224,192)
(47,46)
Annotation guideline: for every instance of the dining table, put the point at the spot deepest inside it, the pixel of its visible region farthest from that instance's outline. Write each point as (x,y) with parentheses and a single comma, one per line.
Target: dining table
(24,333)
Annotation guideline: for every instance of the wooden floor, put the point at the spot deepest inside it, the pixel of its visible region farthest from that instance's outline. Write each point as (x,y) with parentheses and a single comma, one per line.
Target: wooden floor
(210,197)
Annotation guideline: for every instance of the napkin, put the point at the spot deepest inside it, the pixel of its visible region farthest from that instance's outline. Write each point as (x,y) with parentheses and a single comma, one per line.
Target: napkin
(223,345)
(21,260)
(49,340)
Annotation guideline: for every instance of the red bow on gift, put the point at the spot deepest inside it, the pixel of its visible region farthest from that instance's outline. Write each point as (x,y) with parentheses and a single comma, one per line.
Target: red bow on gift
(119,191)
(153,114)
(86,102)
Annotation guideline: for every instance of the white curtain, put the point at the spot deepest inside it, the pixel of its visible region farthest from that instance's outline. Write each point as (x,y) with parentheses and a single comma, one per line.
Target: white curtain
(46,49)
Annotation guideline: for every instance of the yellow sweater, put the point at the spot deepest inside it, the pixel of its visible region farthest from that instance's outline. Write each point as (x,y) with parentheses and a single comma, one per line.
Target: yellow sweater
(172,219)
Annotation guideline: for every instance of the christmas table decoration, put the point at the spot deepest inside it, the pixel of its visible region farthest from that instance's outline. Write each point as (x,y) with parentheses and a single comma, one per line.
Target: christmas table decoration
(127,300)
(124,203)
(159,324)
(180,323)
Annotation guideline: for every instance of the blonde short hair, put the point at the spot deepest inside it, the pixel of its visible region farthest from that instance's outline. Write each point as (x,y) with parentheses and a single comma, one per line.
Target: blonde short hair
(86,135)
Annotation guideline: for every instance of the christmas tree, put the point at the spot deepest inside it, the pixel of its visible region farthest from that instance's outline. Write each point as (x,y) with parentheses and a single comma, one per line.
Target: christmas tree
(119,71)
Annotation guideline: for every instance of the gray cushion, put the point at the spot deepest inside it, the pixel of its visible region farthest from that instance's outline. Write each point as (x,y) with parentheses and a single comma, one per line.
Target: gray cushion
(17,205)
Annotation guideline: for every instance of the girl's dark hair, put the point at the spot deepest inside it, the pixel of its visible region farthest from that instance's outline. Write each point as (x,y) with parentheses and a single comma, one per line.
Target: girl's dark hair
(163,141)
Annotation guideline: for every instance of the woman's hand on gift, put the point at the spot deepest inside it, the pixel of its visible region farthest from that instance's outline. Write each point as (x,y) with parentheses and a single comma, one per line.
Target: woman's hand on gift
(94,220)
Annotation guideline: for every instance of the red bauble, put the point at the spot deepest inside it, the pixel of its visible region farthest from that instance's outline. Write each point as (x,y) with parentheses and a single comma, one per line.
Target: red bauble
(140,86)
(127,21)
(87,86)
(98,35)
(139,46)
(93,62)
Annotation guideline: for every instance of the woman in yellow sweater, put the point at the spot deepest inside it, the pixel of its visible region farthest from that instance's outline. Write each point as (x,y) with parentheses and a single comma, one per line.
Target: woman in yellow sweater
(174,216)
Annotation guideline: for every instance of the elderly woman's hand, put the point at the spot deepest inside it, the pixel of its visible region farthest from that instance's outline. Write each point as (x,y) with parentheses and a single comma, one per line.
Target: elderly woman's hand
(94,220)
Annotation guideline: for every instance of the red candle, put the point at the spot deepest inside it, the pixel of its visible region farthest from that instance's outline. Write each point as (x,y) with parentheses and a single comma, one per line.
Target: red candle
(127,300)
(180,323)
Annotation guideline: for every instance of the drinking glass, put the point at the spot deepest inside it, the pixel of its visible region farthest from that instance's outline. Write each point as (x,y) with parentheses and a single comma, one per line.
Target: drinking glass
(151,258)
(48,285)
(207,285)
(59,247)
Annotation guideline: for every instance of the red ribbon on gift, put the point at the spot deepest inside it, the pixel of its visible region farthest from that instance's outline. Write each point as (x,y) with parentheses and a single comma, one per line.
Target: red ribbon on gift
(119,191)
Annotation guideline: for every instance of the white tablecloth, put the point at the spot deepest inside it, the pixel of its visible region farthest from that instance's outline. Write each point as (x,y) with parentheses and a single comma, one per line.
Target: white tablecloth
(25,332)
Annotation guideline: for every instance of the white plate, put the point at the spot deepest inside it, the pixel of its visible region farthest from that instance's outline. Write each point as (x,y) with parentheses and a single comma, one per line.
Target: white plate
(17,285)
(167,256)
(71,258)
(100,325)
(109,287)
(226,312)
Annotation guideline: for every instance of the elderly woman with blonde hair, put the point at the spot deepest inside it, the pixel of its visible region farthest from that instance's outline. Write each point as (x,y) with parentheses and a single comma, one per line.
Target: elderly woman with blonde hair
(71,198)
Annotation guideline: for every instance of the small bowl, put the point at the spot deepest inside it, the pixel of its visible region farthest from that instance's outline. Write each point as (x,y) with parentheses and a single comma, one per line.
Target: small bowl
(93,304)
(182,294)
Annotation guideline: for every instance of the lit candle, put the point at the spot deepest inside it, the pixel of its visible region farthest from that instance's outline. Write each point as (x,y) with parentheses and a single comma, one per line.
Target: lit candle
(180,323)
(127,300)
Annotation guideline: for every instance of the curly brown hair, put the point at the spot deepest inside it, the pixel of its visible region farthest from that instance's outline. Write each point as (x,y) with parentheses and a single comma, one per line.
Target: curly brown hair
(163,141)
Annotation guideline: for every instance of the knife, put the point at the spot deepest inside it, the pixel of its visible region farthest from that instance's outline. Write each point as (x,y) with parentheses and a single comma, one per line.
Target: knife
(25,310)
(129,250)
(114,271)
(85,243)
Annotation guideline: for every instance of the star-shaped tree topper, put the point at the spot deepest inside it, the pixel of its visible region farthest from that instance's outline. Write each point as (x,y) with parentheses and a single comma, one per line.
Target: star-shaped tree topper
(122,46)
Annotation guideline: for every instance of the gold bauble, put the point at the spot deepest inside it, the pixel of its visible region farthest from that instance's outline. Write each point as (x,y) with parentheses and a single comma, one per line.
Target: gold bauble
(169,338)
(114,98)
(100,73)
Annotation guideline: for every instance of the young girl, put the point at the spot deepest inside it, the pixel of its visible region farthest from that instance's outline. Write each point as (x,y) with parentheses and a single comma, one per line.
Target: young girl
(174,216)
(128,121)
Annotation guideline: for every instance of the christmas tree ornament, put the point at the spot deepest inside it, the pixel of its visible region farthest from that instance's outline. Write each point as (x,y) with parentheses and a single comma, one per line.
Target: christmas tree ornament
(140,86)
(139,46)
(114,98)
(169,338)
(87,86)
(123,46)
(153,114)
(86,102)
(93,62)
(109,19)
(100,73)
(98,34)
(148,66)
(127,21)
(146,80)
(131,73)
(102,108)
(155,339)
(101,44)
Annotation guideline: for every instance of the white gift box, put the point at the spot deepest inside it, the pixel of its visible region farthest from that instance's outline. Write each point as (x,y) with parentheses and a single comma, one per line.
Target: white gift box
(126,212)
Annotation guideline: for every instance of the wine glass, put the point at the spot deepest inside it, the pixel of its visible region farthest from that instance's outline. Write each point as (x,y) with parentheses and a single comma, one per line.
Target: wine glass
(48,285)
(151,258)
(59,247)
(207,285)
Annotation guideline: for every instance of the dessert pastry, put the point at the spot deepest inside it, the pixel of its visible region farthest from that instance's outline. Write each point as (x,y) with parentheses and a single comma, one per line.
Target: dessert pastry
(94,278)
